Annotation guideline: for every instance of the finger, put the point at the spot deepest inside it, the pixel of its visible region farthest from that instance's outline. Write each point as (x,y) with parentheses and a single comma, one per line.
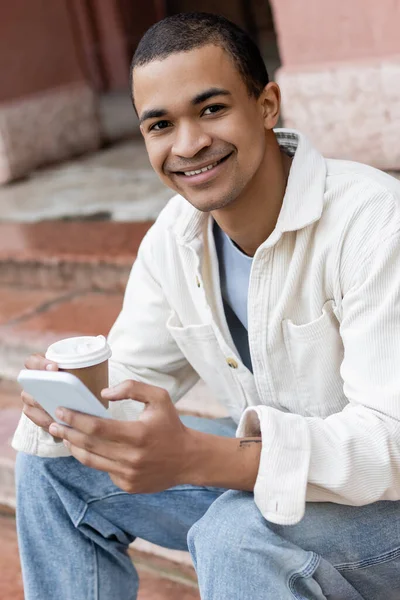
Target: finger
(104,429)
(38,416)
(135,390)
(94,461)
(40,363)
(91,451)
(107,449)
(29,400)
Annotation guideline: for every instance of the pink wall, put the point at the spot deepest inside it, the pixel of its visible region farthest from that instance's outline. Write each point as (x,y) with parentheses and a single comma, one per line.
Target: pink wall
(37,47)
(318,31)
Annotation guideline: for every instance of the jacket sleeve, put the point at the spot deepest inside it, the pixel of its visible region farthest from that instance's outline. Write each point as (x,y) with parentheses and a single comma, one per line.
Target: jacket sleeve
(142,349)
(351,457)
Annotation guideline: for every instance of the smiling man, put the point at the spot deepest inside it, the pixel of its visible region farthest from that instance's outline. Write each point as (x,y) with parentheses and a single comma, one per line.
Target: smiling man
(273,276)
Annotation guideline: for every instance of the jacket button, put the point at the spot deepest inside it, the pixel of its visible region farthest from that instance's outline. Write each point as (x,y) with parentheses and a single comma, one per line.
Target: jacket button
(198,282)
(232,363)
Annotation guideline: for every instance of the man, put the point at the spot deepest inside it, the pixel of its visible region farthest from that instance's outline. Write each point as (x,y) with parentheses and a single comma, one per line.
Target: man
(273,275)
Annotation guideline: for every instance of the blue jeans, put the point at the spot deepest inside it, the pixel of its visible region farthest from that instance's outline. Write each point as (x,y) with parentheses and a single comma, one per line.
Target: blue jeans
(74,528)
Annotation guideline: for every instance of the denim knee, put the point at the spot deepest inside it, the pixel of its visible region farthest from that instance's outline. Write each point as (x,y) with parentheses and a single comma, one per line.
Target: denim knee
(221,530)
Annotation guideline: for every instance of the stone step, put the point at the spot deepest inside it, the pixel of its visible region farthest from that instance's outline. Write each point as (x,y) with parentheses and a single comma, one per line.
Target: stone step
(95,255)
(116,182)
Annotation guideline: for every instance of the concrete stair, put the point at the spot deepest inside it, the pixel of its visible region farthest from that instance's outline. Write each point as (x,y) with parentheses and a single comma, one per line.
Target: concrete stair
(59,279)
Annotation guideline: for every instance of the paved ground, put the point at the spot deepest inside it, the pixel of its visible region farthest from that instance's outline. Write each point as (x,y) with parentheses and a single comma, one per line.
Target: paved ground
(152,587)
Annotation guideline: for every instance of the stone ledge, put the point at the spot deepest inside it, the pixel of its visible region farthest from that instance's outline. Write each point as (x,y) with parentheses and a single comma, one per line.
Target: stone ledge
(77,255)
(116,182)
(47,127)
(348,110)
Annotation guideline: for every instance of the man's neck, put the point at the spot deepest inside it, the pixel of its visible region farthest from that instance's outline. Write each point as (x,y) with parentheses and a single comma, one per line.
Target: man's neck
(252,218)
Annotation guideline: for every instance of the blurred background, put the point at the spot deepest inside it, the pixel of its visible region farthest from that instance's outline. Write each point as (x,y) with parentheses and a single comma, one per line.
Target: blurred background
(77,192)
(64,74)
(64,78)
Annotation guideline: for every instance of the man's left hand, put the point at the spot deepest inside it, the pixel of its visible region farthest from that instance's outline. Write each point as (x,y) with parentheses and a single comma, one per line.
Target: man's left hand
(143,456)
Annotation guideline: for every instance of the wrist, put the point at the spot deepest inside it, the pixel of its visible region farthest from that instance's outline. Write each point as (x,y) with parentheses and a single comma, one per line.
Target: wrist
(217,461)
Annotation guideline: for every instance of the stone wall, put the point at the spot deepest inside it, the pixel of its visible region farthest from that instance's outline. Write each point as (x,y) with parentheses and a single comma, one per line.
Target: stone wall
(47,109)
(340,77)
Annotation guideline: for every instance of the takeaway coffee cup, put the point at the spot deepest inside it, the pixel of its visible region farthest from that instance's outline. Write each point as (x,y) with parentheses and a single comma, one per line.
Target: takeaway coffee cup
(85,357)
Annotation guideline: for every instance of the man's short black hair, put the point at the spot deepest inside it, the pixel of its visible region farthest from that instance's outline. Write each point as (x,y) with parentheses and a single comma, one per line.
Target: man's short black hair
(186,31)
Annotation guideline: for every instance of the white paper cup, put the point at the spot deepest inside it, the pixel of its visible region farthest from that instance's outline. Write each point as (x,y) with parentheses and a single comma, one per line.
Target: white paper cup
(86,357)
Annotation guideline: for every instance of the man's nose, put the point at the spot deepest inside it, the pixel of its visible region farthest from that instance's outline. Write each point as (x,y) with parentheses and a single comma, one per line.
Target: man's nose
(190,139)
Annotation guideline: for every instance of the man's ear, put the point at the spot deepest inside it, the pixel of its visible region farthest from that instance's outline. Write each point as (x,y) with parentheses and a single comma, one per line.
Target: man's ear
(270,104)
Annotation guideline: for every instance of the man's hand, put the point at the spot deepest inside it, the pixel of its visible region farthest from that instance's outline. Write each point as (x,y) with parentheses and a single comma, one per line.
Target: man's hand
(157,451)
(148,455)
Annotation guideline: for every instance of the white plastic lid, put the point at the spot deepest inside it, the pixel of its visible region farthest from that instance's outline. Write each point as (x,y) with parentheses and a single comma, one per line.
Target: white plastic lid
(79,352)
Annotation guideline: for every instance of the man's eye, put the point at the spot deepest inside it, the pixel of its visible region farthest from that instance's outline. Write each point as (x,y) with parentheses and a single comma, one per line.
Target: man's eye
(159,125)
(210,110)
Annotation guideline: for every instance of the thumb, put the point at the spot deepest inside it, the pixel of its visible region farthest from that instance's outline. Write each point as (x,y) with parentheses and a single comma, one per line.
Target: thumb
(132,390)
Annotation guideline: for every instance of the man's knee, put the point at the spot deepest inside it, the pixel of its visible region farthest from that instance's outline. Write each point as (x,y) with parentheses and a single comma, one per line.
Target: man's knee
(223,527)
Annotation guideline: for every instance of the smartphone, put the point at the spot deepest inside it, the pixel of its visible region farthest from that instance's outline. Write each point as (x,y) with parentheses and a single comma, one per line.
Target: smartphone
(52,389)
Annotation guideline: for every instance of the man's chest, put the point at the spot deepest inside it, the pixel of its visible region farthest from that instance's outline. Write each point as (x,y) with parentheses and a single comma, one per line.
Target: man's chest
(293,327)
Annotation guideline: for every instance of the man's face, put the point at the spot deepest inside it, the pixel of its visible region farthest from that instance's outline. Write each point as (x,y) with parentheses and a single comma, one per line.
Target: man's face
(196,115)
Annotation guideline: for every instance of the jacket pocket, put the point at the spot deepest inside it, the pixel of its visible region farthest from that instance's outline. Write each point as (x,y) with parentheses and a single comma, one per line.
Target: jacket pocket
(200,346)
(315,353)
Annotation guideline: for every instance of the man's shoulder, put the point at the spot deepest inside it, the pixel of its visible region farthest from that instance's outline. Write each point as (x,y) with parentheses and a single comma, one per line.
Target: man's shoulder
(353,175)
(363,194)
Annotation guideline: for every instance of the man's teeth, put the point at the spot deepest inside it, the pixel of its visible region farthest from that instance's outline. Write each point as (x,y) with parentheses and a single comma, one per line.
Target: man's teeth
(189,173)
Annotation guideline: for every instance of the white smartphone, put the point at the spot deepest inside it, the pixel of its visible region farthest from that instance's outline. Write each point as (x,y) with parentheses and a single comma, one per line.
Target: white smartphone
(52,389)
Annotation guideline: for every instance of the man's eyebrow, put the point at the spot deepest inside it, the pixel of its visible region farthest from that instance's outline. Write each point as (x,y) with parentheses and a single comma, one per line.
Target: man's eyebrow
(153,113)
(207,94)
(156,113)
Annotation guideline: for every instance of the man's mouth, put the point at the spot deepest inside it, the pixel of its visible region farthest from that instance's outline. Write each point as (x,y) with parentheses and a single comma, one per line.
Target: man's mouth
(209,167)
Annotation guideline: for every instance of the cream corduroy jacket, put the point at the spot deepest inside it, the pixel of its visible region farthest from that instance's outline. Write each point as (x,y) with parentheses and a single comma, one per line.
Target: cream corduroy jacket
(324,332)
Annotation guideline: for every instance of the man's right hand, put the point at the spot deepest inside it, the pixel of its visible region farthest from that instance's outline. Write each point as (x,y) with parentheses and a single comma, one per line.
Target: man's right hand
(31,408)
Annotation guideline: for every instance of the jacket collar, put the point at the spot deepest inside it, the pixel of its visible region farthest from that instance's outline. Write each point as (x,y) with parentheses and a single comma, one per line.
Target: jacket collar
(304,196)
